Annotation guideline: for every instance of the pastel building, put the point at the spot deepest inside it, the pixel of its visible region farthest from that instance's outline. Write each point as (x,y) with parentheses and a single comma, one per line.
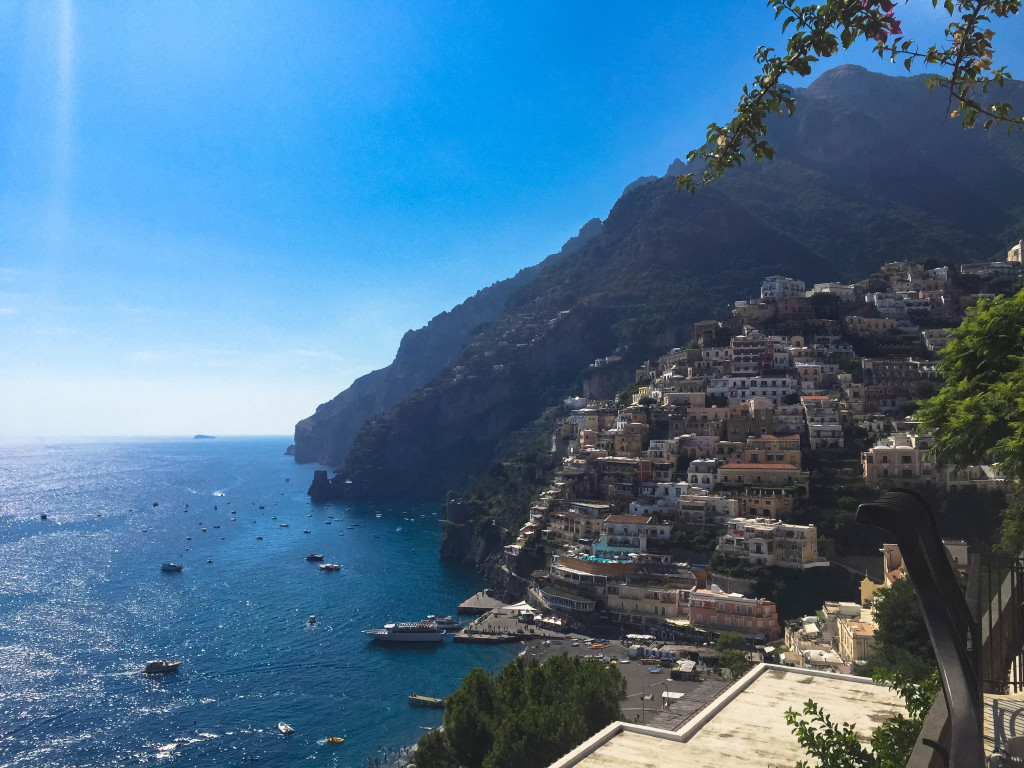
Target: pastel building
(719,611)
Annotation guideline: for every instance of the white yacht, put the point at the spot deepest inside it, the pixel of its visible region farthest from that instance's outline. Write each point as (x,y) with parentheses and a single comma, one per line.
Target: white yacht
(407,632)
(447,623)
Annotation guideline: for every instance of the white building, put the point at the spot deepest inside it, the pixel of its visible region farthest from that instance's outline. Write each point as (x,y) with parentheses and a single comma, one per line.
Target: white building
(842,292)
(702,473)
(777,287)
(741,388)
(763,541)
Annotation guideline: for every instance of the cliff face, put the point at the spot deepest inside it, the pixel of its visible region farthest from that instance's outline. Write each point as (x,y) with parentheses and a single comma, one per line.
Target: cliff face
(867,172)
(326,436)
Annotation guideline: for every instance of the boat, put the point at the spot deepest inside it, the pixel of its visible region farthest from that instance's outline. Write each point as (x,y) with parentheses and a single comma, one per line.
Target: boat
(415,700)
(314,558)
(312,619)
(446,623)
(171,567)
(329,567)
(284,525)
(335,739)
(407,632)
(42,516)
(286,729)
(159,667)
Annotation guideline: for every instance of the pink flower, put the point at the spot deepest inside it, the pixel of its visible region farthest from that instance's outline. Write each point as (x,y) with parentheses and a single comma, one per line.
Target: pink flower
(887,6)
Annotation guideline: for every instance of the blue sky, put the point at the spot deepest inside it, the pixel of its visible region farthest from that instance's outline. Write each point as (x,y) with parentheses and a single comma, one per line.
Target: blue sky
(215,215)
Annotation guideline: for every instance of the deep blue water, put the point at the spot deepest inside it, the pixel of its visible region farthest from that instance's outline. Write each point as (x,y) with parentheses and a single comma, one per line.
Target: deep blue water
(83,605)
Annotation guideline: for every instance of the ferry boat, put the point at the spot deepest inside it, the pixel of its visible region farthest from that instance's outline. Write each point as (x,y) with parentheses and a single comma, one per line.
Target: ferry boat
(447,623)
(407,632)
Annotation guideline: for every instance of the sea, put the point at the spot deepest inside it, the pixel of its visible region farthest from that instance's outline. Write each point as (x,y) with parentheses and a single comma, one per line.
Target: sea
(84,605)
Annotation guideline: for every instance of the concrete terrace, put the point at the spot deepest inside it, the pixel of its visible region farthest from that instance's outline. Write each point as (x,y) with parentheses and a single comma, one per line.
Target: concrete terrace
(745,727)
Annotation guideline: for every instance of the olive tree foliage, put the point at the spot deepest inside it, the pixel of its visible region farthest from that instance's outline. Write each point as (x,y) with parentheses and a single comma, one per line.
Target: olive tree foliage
(964,58)
(978,416)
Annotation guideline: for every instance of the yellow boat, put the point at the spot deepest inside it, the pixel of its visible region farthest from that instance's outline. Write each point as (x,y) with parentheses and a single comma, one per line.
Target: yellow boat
(335,739)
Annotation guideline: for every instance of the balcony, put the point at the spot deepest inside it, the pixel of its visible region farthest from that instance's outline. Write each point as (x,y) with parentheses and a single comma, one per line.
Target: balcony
(978,639)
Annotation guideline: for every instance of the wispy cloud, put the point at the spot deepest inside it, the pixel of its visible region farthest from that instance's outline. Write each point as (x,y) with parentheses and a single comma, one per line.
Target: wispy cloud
(7,311)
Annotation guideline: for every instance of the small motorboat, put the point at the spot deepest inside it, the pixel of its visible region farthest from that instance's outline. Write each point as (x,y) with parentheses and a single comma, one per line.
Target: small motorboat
(329,567)
(284,525)
(335,739)
(312,620)
(312,557)
(42,516)
(259,538)
(171,567)
(160,667)
(285,729)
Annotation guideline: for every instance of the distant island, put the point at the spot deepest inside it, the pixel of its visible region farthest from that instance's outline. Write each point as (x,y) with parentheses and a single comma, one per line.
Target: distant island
(203,437)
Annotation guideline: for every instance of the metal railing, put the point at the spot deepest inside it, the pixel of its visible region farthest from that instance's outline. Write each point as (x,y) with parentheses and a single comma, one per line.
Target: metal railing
(1000,600)
(954,632)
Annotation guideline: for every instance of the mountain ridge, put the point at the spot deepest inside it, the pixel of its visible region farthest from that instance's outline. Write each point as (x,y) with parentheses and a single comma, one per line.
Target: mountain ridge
(861,178)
